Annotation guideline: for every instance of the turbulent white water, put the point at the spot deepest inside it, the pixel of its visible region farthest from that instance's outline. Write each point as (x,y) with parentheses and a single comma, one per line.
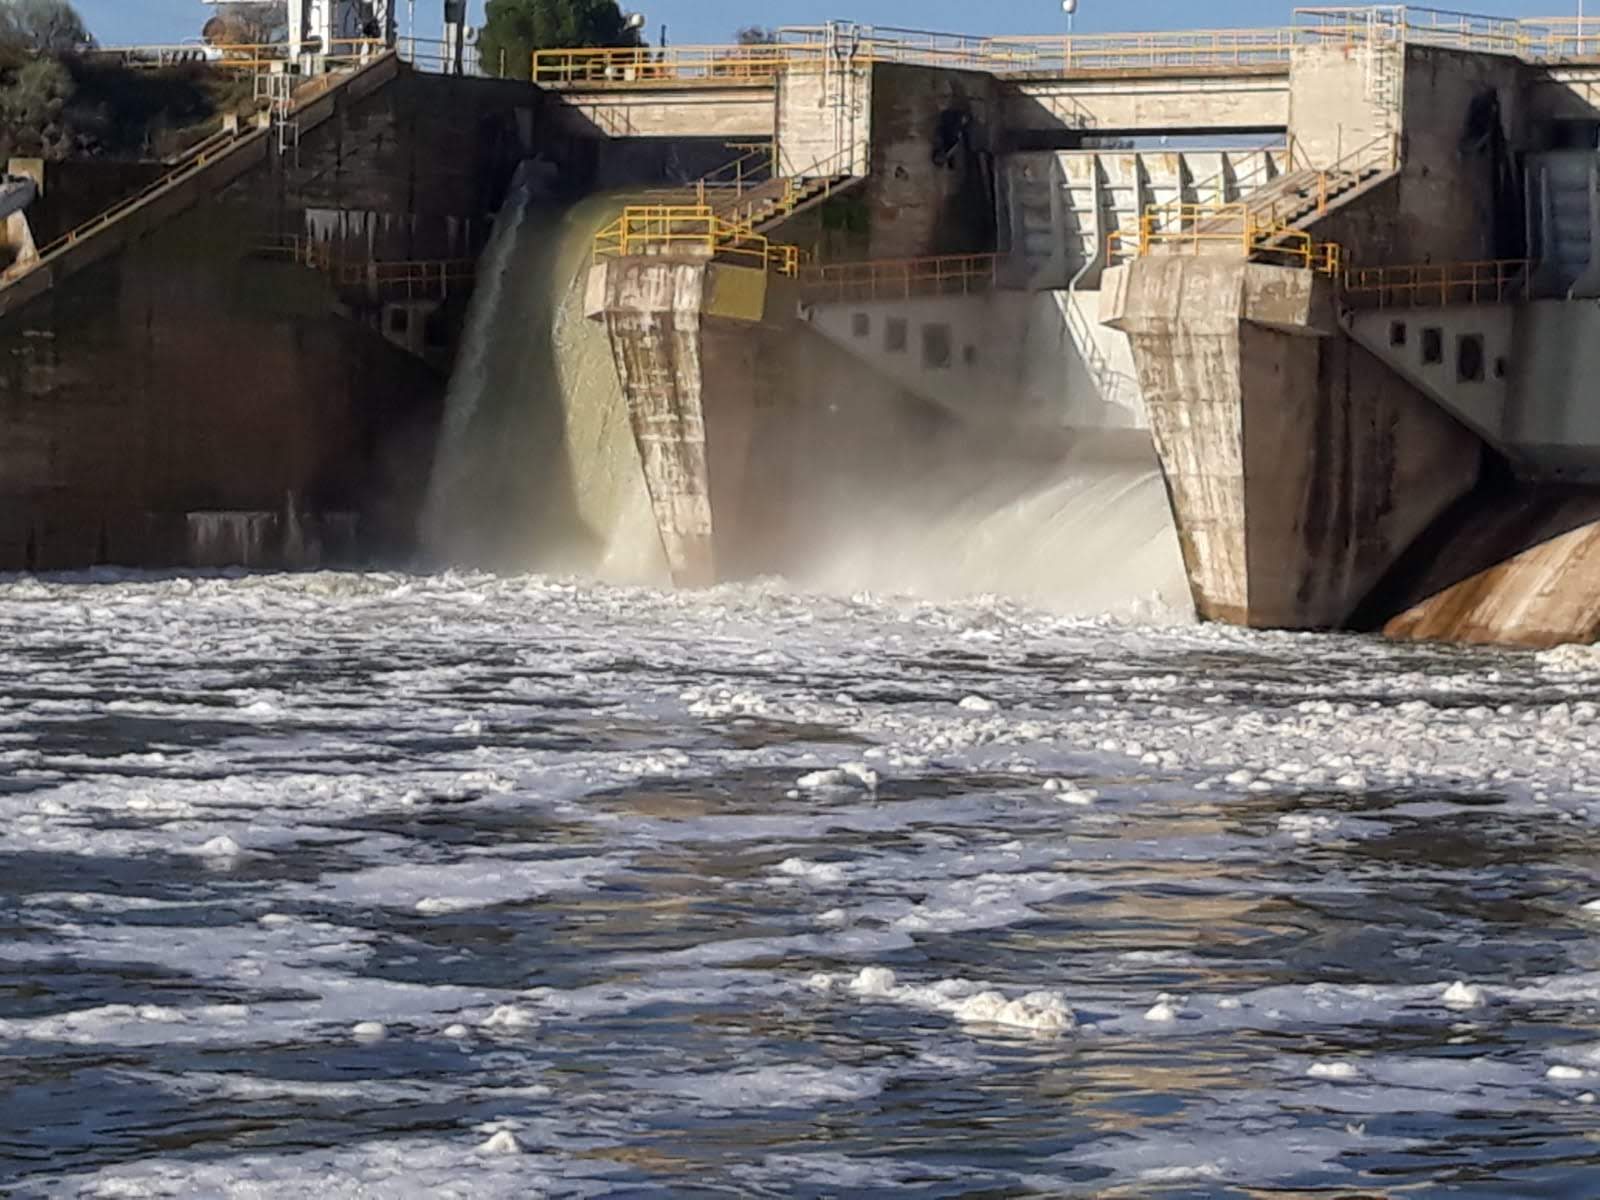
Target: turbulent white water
(473,886)
(536,466)
(1085,533)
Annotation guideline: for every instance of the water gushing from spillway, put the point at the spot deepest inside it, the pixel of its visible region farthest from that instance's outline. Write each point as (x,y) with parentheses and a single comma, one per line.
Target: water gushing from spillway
(536,467)
(1083,530)
(851,485)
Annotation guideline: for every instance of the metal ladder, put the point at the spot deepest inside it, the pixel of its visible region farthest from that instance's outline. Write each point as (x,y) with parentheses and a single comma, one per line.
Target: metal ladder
(285,121)
(1386,47)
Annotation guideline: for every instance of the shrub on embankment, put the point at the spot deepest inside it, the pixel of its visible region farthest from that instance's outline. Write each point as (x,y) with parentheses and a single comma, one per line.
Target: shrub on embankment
(57,102)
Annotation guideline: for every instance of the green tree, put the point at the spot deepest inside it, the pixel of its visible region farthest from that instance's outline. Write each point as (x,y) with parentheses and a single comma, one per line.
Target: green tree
(514,29)
(43,27)
(756,35)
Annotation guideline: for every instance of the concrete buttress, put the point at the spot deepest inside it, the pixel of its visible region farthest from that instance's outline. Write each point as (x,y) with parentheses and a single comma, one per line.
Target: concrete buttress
(687,378)
(1299,467)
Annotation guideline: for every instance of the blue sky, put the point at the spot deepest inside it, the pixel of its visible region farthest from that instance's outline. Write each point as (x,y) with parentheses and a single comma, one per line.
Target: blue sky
(115,21)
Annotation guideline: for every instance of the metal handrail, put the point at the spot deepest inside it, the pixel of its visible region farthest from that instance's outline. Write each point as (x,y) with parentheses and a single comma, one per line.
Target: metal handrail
(1237,226)
(757,165)
(645,229)
(235,55)
(1489,281)
(203,156)
(902,279)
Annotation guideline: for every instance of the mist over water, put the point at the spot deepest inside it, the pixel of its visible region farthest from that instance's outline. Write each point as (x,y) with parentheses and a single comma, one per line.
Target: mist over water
(853,485)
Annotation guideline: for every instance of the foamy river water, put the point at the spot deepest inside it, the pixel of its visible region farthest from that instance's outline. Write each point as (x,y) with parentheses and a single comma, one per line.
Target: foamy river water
(344,885)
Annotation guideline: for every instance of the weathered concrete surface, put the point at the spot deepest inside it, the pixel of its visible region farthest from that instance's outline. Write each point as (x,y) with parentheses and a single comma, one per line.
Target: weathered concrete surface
(1517,568)
(732,110)
(1238,100)
(1459,118)
(182,376)
(689,382)
(177,372)
(929,190)
(824,117)
(1299,467)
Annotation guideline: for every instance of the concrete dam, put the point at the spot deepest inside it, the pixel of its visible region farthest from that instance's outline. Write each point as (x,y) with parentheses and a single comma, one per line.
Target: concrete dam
(1278,327)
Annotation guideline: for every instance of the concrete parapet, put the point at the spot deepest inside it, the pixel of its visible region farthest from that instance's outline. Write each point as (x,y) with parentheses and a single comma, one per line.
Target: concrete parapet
(1299,467)
(687,379)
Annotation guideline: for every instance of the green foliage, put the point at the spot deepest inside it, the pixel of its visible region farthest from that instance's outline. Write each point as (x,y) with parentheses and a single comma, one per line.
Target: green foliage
(42,27)
(756,35)
(514,29)
(32,108)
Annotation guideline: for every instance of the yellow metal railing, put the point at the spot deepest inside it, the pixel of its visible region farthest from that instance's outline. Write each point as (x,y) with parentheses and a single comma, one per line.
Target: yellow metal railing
(1220,228)
(902,279)
(414,277)
(757,165)
(676,64)
(1493,281)
(694,230)
(785,194)
(192,164)
(814,48)
(235,56)
(1306,191)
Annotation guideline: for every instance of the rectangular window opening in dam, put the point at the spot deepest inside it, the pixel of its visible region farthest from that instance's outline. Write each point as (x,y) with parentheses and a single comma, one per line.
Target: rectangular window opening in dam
(894,335)
(936,347)
(1469,358)
(1432,346)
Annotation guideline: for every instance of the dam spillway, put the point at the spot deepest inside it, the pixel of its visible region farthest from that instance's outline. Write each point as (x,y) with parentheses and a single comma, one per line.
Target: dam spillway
(1082,279)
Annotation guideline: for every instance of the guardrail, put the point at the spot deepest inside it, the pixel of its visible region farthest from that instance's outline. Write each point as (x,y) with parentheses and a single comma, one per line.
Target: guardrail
(426,277)
(818,47)
(192,165)
(1491,281)
(645,229)
(1199,228)
(235,56)
(755,166)
(902,279)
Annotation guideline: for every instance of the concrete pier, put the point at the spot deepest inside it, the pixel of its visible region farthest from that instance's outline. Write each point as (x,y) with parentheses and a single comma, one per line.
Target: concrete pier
(1299,469)
(682,332)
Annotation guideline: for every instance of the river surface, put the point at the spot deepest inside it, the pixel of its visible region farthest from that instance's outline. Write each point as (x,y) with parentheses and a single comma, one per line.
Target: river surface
(378,885)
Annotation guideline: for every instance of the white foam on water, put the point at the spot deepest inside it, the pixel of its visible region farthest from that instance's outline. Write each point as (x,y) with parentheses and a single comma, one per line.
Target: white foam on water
(786,1085)
(970,1003)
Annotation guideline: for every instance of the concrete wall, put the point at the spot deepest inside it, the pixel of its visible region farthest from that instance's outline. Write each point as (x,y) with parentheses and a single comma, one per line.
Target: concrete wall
(1338,99)
(683,336)
(1425,345)
(1553,419)
(1244,100)
(824,117)
(411,172)
(180,372)
(1300,467)
(1455,198)
(738,111)
(1532,401)
(1018,360)
(930,189)
(182,376)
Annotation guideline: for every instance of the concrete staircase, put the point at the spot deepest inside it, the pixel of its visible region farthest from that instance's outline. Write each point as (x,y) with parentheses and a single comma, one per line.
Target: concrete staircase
(778,199)
(203,171)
